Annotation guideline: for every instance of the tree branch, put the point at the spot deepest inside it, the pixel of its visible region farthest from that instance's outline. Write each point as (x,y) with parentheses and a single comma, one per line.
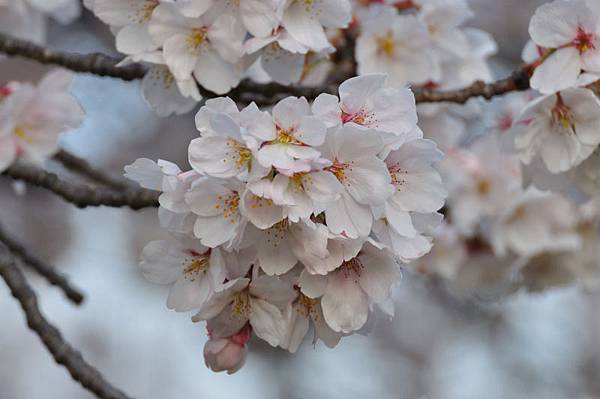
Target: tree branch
(49,272)
(97,64)
(517,81)
(63,353)
(80,195)
(83,168)
(247,91)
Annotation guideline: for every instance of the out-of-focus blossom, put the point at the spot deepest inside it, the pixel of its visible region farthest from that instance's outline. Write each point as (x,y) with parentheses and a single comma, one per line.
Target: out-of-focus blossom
(33,117)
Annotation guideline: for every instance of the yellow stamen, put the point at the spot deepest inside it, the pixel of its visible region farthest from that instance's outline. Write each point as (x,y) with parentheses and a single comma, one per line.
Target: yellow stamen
(386,45)
(241,305)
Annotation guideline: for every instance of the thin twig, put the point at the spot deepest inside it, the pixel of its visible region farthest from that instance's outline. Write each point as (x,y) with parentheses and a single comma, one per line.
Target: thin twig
(97,64)
(83,168)
(49,272)
(80,195)
(63,353)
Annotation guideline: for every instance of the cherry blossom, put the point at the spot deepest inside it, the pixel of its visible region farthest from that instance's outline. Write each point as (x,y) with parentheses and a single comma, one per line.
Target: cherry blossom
(534,222)
(561,128)
(33,117)
(398,45)
(569,33)
(259,302)
(347,292)
(194,270)
(228,354)
(27,19)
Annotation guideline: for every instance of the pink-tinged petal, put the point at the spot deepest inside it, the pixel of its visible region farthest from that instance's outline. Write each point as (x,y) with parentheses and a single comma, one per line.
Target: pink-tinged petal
(368,181)
(558,72)
(555,24)
(399,220)
(162,262)
(134,39)
(311,131)
(220,299)
(276,290)
(326,107)
(312,285)
(379,273)
(354,92)
(345,304)
(259,16)
(274,254)
(267,321)
(282,66)
(216,74)
(288,112)
(261,212)
(189,292)
(305,27)
(296,328)
(349,218)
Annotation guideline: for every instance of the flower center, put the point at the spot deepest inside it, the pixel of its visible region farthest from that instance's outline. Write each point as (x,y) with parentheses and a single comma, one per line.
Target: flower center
(360,118)
(22,134)
(584,41)
(241,307)
(352,268)
(306,306)
(277,232)
(259,202)
(505,122)
(484,186)
(197,37)
(286,137)
(197,265)
(229,205)
(386,45)
(561,114)
(397,174)
(339,170)
(300,180)
(145,12)
(239,153)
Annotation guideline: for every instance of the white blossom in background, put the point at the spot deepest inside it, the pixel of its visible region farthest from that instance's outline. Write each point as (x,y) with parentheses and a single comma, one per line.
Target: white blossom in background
(562,129)
(296,218)
(398,45)
(33,117)
(534,222)
(569,33)
(27,19)
(481,179)
(422,43)
(215,43)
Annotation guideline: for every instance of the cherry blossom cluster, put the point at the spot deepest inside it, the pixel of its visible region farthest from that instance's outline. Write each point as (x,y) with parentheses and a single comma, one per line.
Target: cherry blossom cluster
(216,43)
(33,117)
(296,217)
(523,206)
(26,19)
(422,42)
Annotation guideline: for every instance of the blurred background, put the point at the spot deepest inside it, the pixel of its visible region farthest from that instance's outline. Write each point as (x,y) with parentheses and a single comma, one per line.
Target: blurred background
(527,346)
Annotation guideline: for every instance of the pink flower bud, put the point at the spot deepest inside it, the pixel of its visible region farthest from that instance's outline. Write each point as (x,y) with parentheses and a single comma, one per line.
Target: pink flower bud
(227,354)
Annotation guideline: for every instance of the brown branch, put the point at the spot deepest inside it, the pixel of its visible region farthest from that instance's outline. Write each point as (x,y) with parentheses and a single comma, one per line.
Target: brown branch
(49,272)
(83,168)
(63,353)
(247,91)
(103,65)
(80,195)
(97,64)
(517,81)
